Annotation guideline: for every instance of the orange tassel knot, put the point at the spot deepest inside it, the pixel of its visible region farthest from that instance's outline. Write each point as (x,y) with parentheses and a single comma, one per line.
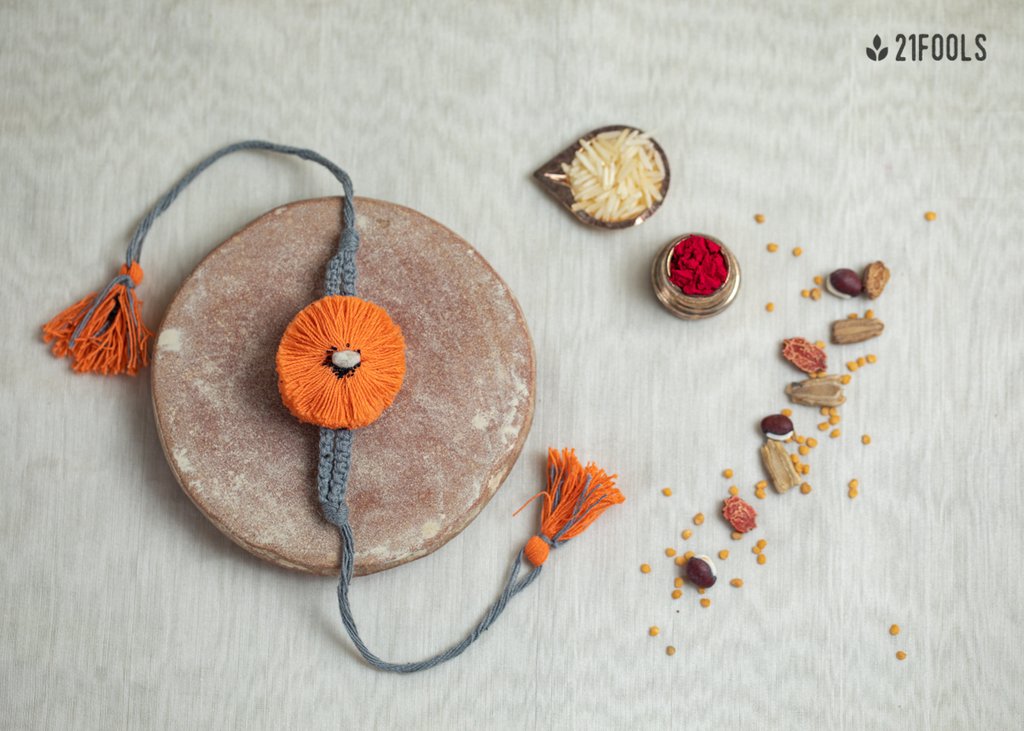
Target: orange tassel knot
(104,333)
(575,497)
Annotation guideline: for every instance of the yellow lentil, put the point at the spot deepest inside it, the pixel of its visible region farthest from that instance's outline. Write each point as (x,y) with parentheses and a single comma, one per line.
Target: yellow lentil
(794,458)
(853,493)
(677,582)
(900,655)
(757,549)
(834,419)
(670,552)
(677,593)
(770,307)
(804,450)
(686,534)
(866,439)
(733,490)
(666,491)
(862,361)
(823,426)
(772,248)
(759,217)
(845,379)
(797,251)
(854,484)
(805,293)
(786,412)
(698,519)
(723,554)
(761,559)
(819,344)
(833,411)
(852,316)
(815,294)
(727,473)
(819,280)
(894,630)
(872,358)
(688,555)
(653,631)
(761,543)
(761,484)
(736,582)
(670,651)
(812,442)
(701,590)
(645,568)
(759,493)
(835,433)
(736,535)
(869,315)
(805,488)
(851,366)
(680,560)
(823,411)
(705,603)
(930,215)
(799,439)
(805,469)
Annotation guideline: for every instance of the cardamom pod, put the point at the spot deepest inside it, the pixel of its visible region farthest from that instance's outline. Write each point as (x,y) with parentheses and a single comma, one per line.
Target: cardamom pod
(779,466)
(876,276)
(824,391)
(856,331)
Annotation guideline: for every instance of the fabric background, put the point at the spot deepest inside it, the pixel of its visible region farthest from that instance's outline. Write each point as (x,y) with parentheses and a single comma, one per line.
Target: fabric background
(122,607)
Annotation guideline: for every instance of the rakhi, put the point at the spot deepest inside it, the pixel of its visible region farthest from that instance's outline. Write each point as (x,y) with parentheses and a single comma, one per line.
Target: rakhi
(340,363)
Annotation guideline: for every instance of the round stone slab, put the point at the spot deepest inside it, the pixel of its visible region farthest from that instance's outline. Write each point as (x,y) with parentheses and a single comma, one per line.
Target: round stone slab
(422,471)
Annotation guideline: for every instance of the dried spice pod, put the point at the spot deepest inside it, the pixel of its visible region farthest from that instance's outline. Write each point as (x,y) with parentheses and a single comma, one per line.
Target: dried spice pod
(779,466)
(845,332)
(876,276)
(805,355)
(824,391)
(740,514)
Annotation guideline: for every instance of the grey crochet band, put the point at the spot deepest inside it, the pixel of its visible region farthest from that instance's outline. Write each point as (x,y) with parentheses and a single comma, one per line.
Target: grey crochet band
(335,451)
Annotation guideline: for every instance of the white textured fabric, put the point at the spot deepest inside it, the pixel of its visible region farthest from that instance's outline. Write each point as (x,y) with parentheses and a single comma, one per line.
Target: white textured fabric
(122,607)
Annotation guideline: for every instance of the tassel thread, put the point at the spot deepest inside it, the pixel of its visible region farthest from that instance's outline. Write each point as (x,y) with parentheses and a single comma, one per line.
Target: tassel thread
(104,333)
(575,497)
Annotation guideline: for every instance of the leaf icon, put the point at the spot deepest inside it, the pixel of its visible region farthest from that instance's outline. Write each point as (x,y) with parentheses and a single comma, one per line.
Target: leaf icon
(883,53)
(877,42)
(871,53)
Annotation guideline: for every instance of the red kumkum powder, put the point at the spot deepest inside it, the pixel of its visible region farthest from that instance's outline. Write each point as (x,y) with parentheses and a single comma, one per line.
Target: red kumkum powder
(697,266)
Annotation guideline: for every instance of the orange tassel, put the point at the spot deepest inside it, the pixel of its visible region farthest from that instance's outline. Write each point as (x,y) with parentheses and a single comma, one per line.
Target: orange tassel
(575,497)
(104,333)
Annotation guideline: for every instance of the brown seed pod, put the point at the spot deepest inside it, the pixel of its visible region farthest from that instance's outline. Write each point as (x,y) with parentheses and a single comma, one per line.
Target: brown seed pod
(876,276)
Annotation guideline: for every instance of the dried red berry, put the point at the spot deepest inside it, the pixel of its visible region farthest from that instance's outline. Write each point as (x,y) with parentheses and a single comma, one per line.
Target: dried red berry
(740,514)
(701,572)
(777,426)
(804,355)
(844,283)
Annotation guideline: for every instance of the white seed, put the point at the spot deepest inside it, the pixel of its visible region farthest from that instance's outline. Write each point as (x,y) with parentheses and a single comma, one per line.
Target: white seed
(345,359)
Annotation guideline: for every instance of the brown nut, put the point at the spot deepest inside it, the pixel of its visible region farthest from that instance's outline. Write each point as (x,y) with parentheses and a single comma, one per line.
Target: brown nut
(844,283)
(701,572)
(876,276)
(777,426)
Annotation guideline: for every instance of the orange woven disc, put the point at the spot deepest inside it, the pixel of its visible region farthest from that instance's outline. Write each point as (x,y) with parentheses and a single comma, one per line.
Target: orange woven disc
(340,363)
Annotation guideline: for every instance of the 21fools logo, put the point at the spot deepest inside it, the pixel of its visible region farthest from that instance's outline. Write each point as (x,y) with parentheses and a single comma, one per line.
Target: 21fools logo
(931,47)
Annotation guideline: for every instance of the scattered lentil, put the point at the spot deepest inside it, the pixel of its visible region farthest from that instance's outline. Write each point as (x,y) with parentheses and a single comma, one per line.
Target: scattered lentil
(869,315)
(770,307)
(866,439)
(653,631)
(815,294)
(705,603)
(645,568)
(804,450)
(894,630)
(805,293)
(835,433)
(733,490)
(680,560)
(759,217)
(805,488)
(845,379)
(854,484)
(727,473)
(862,361)
(736,535)
(677,593)
(852,316)
(812,442)
(834,419)
(678,582)
(772,248)
(819,280)
(670,552)
(761,559)
(823,426)
(786,412)
(872,358)
(698,519)
(688,555)
(666,491)
(930,215)
(686,534)
(797,251)
(736,582)
(723,554)
(900,655)
(762,484)
(761,543)
(670,651)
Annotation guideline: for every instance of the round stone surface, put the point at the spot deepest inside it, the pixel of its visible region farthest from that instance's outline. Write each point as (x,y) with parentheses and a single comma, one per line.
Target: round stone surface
(422,471)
